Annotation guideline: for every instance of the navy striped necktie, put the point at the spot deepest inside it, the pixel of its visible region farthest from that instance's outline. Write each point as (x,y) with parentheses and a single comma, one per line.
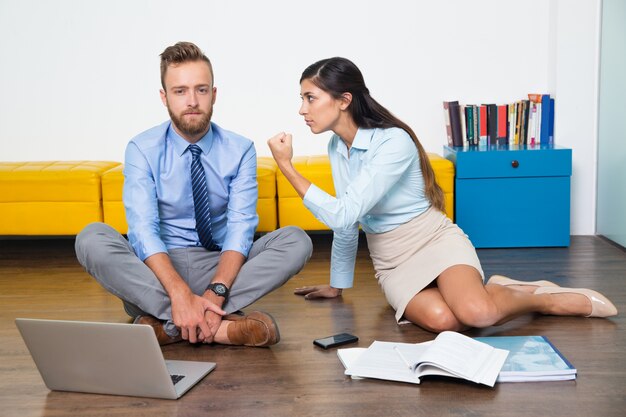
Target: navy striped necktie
(201,200)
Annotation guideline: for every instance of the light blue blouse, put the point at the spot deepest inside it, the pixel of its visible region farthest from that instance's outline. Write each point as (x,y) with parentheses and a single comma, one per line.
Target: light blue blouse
(378,185)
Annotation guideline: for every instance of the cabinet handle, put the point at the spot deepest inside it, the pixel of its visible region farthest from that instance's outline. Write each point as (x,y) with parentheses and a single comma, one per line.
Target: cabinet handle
(514,164)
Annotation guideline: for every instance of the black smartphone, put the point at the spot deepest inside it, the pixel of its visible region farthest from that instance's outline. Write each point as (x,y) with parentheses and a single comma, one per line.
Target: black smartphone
(335,340)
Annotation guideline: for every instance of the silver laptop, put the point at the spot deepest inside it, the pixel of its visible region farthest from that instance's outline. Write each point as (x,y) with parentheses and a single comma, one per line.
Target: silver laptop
(107,358)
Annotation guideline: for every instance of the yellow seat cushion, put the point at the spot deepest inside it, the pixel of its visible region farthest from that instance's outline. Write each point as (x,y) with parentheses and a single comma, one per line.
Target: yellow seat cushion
(291,209)
(266,205)
(112,205)
(444,175)
(50,197)
(115,215)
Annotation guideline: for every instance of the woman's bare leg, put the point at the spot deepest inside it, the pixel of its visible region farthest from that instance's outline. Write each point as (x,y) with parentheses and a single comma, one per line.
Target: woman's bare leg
(461,300)
(478,305)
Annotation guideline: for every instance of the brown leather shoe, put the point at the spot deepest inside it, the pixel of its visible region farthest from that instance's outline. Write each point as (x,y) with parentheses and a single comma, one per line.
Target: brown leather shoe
(255,329)
(157,325)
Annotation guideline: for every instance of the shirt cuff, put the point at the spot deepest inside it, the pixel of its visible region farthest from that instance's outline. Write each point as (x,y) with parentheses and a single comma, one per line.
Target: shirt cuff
(144,250)
(341,279)
(229,244)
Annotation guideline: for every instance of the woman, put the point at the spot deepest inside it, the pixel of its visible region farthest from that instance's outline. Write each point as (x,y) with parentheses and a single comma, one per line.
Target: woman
(425,265)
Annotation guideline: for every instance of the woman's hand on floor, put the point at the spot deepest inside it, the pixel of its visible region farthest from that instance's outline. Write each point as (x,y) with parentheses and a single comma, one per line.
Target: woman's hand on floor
(318,291)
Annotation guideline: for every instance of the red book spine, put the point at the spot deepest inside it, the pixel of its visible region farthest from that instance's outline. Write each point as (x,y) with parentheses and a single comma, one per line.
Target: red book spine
(502,120)
(483,125)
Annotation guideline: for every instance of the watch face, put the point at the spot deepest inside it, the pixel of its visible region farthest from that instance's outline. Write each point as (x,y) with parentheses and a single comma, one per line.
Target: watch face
(220,289)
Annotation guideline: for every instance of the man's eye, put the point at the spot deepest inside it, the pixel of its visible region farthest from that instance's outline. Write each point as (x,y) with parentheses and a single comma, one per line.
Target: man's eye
(179,91)
(203,90)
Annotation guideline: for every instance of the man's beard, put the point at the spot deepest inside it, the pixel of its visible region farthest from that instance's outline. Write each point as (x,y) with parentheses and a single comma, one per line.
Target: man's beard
(190,127)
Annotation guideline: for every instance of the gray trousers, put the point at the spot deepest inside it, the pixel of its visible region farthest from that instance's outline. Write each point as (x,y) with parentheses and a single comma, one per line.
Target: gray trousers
(110,259)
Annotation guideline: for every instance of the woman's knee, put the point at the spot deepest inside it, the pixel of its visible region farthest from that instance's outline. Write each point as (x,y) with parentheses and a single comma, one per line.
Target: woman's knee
(477,313)
(437,320)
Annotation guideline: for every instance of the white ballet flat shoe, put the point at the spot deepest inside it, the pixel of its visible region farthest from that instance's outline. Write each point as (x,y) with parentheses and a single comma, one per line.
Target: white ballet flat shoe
(600,305)
(502,280)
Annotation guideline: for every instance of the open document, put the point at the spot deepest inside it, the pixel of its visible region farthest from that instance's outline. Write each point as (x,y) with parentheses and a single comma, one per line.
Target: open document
(451,354)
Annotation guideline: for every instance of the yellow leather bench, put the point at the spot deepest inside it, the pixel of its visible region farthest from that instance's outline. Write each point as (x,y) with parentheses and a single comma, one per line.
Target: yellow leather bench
(61,197)
(50,198)
(113,207)
(291,210)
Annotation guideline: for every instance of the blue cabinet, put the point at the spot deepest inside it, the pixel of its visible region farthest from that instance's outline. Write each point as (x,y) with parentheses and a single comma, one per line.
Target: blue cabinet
(513,196)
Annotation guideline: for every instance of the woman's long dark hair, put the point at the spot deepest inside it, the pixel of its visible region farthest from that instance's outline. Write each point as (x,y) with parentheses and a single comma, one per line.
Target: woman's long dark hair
(339,75)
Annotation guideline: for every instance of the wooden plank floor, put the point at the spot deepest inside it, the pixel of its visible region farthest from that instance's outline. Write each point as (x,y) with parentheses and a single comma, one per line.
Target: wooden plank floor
(41,278)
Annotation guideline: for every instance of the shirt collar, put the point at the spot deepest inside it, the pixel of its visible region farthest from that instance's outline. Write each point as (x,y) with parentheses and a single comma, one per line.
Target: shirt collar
(181,145)
(361,141)
(363,138)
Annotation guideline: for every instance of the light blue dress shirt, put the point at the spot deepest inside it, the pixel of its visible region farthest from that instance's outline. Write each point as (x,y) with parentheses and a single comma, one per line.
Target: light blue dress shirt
(379,185)
(158,196)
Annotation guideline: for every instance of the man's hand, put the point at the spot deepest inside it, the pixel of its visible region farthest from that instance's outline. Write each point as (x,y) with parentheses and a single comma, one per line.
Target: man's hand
(189,314)
(281,147)
(212,319)
(188,309)
(318,291)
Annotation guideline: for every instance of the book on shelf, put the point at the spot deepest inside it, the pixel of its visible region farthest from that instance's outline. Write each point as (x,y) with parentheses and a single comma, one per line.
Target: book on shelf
(469,123)
(473,111)
(463,125)
(446,117)
(482,125)
(534,131)
(532,117)
(492,123)
(518,122)
(546,116)
(524,122)
(531,358)
(502,124)
(511,123)
(452,115)
(551,123)
(450,354)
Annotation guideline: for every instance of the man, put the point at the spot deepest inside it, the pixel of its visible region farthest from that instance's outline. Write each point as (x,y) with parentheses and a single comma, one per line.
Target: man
(190,195)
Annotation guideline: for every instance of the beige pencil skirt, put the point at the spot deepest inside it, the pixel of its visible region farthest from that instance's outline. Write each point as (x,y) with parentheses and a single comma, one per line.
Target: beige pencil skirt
(410,257)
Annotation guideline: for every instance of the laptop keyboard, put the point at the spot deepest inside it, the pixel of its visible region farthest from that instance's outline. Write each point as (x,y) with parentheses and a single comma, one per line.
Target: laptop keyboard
(176,378)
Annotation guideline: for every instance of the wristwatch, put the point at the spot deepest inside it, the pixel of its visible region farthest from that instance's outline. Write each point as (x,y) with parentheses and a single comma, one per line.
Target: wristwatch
(219,289)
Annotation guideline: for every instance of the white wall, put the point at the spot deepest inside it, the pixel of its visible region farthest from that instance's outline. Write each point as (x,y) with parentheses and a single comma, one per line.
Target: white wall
(79,78)
(576,75)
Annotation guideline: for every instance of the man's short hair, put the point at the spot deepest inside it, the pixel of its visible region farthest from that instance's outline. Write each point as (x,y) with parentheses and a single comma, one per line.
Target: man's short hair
(179,53)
